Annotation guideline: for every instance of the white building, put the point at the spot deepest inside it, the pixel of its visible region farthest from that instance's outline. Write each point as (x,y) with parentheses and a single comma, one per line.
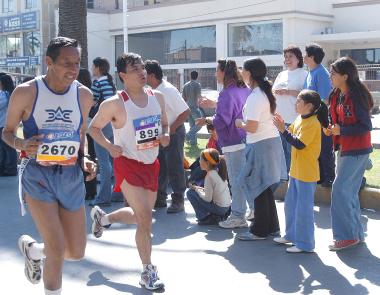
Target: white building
(193,34)
(26,27)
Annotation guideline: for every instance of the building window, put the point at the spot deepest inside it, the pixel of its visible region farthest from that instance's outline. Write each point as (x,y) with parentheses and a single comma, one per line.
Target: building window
(32,44)
(195,45)
(206,77)
(363,56)
(13,47)
(8,5)
(90,4)
(252,39)
(119,46)
(3,46)
(30,4)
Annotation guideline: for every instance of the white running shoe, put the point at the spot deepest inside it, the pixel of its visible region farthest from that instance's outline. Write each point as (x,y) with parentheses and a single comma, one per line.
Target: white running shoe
(281,240)
(32,268)
(96,215)
(149,278)
(233,222)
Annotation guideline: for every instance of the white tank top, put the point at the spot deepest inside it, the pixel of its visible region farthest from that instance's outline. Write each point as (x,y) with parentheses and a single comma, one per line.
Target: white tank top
(139,136)
(58,117)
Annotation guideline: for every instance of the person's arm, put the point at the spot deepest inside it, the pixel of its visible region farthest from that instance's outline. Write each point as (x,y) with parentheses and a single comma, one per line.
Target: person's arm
(208,190)
(293,140)
(248,126)
(105,115)
(165,137)
(179,121)
(20,105)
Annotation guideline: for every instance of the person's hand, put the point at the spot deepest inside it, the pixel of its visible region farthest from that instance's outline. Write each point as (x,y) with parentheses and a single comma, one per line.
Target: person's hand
(278,121)
(335,129)
(200,121)
(90,168)
(327,131)
(115,150)
(282,91)
(239,123)
(30,145)
(164,139)
(207,103)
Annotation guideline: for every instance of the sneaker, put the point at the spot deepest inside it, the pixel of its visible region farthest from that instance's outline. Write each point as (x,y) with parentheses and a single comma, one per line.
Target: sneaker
(96,215)
(343,244)
(32,268)
(233,222)
(251,215)
(149,278)
(294,249)
(281,240)
(249,237)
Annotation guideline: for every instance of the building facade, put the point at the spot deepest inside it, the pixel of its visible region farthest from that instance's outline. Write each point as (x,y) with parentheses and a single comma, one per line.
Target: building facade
(193,34)
(26,27)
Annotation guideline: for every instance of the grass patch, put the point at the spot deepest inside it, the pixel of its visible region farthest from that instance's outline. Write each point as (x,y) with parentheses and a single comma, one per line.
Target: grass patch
(192,152)
(373,175)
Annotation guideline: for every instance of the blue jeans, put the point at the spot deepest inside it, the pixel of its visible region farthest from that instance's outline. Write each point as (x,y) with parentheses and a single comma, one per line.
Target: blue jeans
(345,205)
(171,166)
(202,208)
(235,161)
(191,136)
(299,213)
(105,169)
(8,158)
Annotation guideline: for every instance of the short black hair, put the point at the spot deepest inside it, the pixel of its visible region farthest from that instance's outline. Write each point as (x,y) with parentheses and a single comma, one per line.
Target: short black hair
(127,59)
(194,75)
(297,53)
(316,52)
(54,48)
(153,67)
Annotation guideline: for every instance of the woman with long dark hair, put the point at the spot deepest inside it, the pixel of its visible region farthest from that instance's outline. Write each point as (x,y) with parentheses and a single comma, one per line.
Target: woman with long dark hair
(102,88)
(265,162)
(350,106)
(231,139)
(8,155)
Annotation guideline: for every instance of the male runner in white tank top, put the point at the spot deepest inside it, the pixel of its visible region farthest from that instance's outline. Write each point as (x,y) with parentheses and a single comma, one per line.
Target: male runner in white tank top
(139,121)
(53,109)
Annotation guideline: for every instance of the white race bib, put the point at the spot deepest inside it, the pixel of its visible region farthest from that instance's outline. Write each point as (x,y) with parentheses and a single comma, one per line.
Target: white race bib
(147,131)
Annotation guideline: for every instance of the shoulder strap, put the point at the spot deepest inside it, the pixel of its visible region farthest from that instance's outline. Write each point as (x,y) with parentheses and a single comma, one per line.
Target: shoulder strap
(124,95)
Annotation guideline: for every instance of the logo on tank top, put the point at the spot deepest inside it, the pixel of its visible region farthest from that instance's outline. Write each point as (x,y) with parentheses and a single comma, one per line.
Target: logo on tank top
(59,115)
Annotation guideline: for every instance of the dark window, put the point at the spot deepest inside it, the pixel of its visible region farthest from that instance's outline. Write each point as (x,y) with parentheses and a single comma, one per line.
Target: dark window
(32,44)
(8,5)
(90,4)
(252,39)
(30,4)
(363,56)
(194,45)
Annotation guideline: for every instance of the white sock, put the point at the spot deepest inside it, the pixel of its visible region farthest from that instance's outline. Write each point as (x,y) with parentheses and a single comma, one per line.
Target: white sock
(55,292)
(104,220)
(36,251)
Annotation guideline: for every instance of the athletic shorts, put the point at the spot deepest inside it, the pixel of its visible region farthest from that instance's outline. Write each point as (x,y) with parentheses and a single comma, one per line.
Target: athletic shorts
(61,184)
(136,173)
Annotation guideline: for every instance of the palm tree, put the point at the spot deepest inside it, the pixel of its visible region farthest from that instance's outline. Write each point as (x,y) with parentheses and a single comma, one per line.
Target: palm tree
(73,24)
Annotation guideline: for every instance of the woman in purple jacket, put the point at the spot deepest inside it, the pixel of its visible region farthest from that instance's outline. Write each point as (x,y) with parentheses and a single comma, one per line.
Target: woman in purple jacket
(232,140)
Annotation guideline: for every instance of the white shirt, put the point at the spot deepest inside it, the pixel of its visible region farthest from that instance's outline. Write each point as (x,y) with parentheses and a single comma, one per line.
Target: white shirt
(174,103)
(286,104)
(215,190)
(257,108)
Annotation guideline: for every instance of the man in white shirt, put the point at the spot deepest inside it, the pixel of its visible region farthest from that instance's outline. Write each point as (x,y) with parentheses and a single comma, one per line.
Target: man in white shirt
(170,157)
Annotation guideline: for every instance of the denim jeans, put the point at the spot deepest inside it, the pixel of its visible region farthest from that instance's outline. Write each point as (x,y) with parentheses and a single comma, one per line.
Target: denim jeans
(191,136)
(235,161)
(202,208)
(299,214)
(345,205)
(8,158)
(105,169)
(171,166)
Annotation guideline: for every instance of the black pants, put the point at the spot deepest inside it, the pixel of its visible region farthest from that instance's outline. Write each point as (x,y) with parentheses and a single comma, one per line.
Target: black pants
(266,219)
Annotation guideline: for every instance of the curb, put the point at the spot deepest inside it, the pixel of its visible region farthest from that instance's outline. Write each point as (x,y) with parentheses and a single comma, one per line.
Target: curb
(369,197)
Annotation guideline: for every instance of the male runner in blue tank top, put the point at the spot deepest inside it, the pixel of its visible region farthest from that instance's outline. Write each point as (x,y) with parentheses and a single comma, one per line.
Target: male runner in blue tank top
(53,109)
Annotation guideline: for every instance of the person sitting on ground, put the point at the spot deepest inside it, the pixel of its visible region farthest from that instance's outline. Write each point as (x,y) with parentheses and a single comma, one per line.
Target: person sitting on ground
(212,202)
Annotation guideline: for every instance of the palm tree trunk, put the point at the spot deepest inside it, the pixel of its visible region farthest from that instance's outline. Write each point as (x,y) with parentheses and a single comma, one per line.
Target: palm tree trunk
(73,24)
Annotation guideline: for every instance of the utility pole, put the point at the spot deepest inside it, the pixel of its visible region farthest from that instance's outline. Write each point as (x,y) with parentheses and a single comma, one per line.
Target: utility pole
(125,24)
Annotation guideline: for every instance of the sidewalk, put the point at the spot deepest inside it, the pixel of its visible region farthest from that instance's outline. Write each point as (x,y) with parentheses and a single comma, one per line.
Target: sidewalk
(196,260)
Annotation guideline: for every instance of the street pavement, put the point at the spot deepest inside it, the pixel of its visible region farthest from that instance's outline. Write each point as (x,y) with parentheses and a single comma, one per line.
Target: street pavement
(196,260)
